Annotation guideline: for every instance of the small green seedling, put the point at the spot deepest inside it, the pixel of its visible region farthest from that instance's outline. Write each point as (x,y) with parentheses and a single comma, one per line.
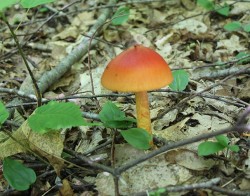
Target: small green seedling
(237,26)
(18,176)
(180,82)
(121,16)
(210,6)
(208,147)
(112,117)
(158,192)
(244,56)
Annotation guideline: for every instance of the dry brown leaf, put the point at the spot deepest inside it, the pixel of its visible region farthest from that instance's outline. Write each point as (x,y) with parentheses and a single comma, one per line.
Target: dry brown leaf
(66,189)
(189,159)
(192,25)
(48,145)
(230,45)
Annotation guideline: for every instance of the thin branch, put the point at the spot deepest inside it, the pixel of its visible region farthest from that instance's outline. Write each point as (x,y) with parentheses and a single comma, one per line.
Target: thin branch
(178,144)
(201,185)
(36,88)
(21,94)
(90,162)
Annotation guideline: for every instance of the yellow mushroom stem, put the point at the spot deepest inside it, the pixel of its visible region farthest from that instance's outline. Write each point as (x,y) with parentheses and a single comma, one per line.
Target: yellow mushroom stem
(142,110)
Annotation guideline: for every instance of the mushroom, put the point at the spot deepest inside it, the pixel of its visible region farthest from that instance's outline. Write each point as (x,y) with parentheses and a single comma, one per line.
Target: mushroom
(138,69)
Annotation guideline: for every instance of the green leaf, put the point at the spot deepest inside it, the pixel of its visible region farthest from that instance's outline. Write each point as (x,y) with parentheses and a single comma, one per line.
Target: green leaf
(121,16)
(4,114)
(241,55)
(232,26)
(208,5)
(55,116)
(34,3)
(18,176)
(157,192)
(113,117)
(223,10)
(234,148)
(223,140)
(180,82)
(138,138)
(246,28)
(208,148)
(7,3)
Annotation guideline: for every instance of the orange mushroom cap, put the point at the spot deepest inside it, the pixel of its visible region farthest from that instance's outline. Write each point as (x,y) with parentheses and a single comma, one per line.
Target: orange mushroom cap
(137,69)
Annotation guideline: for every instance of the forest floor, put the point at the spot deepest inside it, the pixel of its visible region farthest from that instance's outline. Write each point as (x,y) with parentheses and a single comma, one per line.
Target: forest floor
(68,45)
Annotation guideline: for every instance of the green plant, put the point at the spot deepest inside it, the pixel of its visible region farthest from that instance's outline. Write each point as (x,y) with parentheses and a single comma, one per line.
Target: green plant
(210,6)
(23,3)
(111,116)
(236,25)
(244,55)
(180,82)
(55,116)
(208,147)
(158,192)
(18,176)
(121,16)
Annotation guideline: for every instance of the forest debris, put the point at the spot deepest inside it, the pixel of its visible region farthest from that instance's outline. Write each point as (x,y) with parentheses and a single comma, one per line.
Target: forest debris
(71,32)
(153,173)
(230,45)
(192,25)
(48,145)
(192,126)
(189,160)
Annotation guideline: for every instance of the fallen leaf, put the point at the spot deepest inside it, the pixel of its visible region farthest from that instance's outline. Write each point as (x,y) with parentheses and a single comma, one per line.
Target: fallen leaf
(153,173)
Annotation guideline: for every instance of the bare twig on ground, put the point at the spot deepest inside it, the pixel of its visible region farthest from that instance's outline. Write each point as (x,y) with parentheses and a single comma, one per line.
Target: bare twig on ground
(218,73)
(36,89)
(210,184)
(21,94)
(178,144)
(202,185)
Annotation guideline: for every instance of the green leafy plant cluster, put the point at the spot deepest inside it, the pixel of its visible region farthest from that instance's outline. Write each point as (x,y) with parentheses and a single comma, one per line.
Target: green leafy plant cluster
(209,147)
(236,26)
(210,6)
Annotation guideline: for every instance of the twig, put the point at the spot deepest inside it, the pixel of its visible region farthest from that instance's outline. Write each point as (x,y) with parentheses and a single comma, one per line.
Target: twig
(201,185)
(36,88)
(178,144)
(90,162)
(229,192)
(108,142)
(217,73)
(21,94)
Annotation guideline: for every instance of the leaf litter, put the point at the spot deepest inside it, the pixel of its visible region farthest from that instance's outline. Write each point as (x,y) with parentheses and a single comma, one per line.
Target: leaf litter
(184,43)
